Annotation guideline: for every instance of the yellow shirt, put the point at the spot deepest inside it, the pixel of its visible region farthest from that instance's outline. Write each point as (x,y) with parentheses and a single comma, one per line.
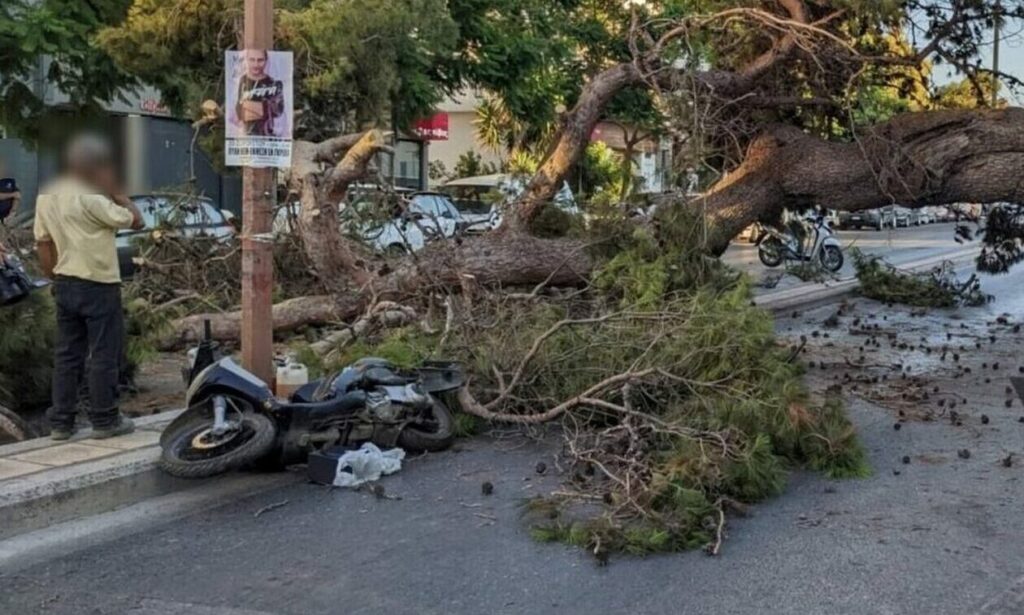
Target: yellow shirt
(82,225)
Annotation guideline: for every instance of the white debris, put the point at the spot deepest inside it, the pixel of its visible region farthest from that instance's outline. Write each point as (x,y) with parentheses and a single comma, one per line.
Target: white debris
(367,464)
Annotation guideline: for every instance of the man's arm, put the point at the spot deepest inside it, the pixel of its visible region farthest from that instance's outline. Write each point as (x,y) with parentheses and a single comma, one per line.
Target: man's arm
(47,251)
(124,201)
(45,247)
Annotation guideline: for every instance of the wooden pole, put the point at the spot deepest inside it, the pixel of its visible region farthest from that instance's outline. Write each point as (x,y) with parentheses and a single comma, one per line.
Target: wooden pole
(258,195)
(997,25)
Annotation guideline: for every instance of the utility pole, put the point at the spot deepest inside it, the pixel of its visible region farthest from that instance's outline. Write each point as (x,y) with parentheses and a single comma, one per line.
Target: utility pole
(258,195)
(997,23)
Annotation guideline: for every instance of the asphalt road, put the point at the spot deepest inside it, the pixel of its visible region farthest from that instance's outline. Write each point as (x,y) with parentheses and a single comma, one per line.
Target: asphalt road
(898,246)
(942,536)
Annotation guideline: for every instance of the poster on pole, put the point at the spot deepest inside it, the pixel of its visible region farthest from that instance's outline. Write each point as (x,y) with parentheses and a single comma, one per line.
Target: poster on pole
(258,108)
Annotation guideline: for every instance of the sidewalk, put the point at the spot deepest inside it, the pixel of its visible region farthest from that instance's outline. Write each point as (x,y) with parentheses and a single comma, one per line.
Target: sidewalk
(44,482)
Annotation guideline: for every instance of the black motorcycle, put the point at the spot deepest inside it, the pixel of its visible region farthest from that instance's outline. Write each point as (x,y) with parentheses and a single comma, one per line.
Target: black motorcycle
(234,420)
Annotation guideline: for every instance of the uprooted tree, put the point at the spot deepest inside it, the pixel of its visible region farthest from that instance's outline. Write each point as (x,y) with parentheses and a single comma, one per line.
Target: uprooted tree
(765,93)
(678,405)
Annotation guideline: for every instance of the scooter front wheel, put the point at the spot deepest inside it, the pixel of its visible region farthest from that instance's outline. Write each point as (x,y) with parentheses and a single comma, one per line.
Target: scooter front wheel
(192,450)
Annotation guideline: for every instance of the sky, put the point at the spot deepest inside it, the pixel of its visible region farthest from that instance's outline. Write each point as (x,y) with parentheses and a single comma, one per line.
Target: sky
(1011,60)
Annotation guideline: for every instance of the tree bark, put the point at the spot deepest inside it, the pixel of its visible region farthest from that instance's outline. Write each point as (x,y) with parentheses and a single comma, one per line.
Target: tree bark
(288,316)
(495,260)
(914,159)
(578,123)
(339,262)
(574,135)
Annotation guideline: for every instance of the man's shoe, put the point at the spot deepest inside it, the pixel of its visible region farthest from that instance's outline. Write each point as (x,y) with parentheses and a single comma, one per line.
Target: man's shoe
(60,434)
(122,427)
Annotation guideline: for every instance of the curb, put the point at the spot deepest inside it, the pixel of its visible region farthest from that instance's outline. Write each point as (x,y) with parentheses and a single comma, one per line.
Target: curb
(813,295)
(118,474)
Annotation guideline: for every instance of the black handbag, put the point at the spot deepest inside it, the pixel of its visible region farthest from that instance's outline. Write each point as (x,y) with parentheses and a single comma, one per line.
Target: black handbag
(15,283)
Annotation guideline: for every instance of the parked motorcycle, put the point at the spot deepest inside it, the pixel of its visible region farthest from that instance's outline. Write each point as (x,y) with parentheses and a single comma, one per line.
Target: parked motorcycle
(820,245)
(234,420)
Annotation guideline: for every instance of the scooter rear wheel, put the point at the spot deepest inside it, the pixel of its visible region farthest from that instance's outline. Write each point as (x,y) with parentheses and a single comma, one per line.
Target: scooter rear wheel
(769,252)
(190,451)
(437,435)
(831,258)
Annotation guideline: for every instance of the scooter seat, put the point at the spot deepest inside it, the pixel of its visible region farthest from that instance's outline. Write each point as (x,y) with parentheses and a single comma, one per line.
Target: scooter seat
(340,404)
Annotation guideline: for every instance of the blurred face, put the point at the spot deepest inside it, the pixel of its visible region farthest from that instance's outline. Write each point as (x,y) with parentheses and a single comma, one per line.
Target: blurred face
(255,64)
(106,175)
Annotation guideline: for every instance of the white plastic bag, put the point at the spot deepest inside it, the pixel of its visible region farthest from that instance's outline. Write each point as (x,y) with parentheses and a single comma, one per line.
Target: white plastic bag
(367,464)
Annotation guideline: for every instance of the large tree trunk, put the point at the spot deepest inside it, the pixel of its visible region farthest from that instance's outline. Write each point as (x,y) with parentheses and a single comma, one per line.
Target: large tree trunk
(495,260)
(573,137)
(578,124)
(914,159)
(338,262)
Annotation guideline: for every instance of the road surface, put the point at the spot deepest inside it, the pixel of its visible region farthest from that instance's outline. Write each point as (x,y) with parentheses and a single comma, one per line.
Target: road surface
(942,536)
(898,246)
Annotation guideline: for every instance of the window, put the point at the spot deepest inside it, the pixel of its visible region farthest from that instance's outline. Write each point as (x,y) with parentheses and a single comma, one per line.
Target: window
(433,206)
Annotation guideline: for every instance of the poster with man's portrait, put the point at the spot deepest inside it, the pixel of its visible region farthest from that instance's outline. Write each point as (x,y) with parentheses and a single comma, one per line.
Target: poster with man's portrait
(258,108)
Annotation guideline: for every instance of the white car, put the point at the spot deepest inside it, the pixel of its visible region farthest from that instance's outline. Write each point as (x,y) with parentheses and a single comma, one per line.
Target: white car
(402,224)
(480,199)
(389,221)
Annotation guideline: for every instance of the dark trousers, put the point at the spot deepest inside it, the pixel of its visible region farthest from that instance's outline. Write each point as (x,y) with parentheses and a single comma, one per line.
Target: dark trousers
(90,325)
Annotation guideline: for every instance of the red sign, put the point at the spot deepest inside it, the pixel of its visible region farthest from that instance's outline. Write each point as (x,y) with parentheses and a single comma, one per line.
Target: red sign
(433,128)
(152,105)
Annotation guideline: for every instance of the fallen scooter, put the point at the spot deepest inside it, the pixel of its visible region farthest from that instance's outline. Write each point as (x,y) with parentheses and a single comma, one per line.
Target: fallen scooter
(234,420)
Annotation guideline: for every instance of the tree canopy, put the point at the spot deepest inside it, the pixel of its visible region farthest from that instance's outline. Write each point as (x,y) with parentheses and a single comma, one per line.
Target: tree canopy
(57,35)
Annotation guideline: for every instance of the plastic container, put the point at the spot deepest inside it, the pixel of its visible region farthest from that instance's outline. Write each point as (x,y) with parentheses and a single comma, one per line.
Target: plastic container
(290,378)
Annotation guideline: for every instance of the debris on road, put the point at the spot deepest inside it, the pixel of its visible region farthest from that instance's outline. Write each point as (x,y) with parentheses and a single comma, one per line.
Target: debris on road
(270,507)
(938,287)
(364,465)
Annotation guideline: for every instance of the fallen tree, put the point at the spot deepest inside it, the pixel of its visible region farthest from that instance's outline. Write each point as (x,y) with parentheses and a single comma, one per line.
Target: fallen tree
(914,159)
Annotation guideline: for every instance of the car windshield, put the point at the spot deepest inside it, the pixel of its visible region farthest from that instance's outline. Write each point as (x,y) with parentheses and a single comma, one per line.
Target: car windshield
(433,206)
(162,211)
(472,199)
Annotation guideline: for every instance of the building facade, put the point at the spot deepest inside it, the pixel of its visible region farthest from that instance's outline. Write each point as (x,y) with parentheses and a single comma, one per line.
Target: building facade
(156,150)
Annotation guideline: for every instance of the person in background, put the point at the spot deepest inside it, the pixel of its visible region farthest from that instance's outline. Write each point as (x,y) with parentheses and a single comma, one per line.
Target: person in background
(77,217)
(10,196)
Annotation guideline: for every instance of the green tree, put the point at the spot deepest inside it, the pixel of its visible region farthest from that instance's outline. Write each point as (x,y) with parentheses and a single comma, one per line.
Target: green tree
(356,61)
(967,93)
(59,34)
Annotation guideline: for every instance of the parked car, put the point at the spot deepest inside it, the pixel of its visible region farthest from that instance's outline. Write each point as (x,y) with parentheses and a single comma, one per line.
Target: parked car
(400,223)
(902,216)
(480,199)
(190,216)
(869,218)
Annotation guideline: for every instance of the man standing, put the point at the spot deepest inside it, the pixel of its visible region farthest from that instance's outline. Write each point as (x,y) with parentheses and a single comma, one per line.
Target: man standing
(260,96)
(77,217)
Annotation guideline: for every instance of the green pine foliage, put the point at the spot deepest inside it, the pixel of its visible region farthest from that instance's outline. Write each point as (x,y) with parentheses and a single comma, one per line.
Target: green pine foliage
(938,287)
(27,331)
(733,415)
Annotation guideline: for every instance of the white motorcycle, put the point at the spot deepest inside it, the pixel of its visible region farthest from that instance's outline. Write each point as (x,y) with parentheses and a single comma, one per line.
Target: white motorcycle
(819,244)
